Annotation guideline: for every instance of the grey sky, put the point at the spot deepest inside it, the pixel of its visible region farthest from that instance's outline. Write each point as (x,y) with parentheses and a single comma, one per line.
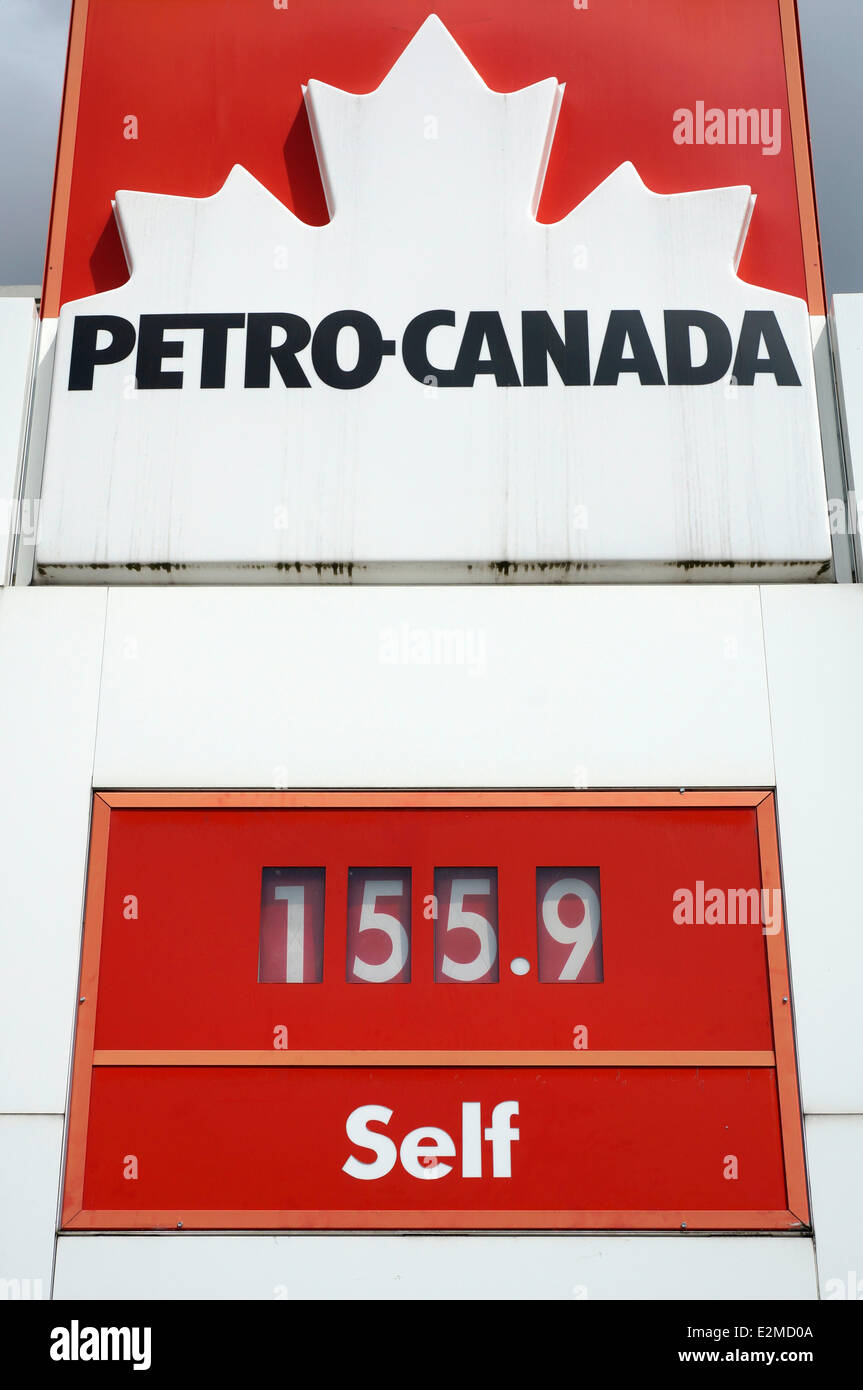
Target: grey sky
(33,37)
(832,35)
(32,55)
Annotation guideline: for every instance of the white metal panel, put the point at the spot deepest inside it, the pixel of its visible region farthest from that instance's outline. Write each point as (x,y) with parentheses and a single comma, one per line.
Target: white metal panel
(17,331)
(814,646)
(835,1149)
(30,1151)
(51,644)
(573,1268)
(831,446)
(846,315)
(403,469)
(442,687)
(31,490)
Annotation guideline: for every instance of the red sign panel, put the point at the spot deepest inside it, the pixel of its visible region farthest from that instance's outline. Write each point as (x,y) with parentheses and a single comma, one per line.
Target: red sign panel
(434,1010)
(166,98)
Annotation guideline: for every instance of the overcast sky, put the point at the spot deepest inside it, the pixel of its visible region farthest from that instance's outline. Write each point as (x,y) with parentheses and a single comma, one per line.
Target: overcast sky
(32,55)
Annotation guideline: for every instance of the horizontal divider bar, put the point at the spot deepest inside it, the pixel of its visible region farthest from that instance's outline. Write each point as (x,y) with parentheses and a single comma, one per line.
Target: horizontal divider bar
(288,1058)
(541,800)
(460,1219)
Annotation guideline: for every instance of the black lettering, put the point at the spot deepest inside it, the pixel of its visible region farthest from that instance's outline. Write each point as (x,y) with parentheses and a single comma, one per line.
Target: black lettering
(761,325)
(214,349)
(484,328)
(86,356)
(260,350)
(540,341)
(627,325)
(415,345)
(373,348)
(152,348)
(682,371)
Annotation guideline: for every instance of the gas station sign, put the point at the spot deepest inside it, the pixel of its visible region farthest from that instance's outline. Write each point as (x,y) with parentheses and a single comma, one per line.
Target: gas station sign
(479,290)
(434,1011)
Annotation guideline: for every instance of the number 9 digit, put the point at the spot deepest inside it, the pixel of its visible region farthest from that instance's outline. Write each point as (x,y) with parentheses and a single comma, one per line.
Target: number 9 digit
(582,937)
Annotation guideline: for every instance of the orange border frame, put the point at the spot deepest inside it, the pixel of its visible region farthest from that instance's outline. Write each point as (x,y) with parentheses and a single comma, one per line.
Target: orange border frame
(801,144)
(74,1217)
(59,218)
(800,140)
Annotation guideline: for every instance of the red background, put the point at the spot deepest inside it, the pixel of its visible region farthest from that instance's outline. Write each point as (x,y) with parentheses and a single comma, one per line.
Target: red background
(218,82)
(270,1139)
(184,974)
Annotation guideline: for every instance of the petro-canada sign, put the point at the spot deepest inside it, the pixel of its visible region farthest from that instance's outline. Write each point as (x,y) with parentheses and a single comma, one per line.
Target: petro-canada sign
(434,380)
(276,340)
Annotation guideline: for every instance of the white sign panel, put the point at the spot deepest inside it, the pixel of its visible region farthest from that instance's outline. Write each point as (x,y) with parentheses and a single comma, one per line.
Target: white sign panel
(434,381)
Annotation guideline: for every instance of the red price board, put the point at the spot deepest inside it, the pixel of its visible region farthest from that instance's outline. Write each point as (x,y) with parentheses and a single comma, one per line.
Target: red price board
(434,1011)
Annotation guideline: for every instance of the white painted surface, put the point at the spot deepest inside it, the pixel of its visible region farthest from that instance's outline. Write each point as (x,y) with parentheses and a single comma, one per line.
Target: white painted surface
(573,1268)
(30,1153)
(537,687)
(17,331)
(835,1148)
(555,687)
(814,645)
(831,448)
(434,212)
(51,646)
(31,490)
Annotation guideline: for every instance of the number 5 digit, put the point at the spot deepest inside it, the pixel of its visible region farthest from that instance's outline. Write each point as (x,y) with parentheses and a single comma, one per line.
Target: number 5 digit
(373,920)
(480,926)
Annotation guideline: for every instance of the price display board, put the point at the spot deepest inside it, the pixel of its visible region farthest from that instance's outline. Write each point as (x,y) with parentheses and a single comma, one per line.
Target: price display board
(434,1010)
